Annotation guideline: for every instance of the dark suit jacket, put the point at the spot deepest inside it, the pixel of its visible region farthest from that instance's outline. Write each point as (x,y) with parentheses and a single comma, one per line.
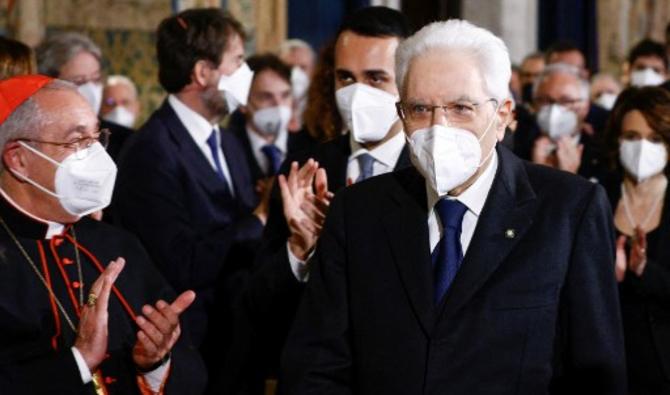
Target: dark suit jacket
(272,296)
(170,197)
(533,308)
(296,142)
(117,138)
(645,308)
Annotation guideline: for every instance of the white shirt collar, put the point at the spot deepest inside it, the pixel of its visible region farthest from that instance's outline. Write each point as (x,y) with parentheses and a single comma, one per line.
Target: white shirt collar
(197,126)
(53,228)
(257,142)
(386,153)
(475,196)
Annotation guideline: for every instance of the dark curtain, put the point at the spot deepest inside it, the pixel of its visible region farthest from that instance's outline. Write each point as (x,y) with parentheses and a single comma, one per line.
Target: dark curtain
(570,20)
(317,21)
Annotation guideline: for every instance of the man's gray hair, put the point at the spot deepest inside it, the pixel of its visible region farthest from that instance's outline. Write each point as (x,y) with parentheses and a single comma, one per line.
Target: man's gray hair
(490,52)
(294,43)
(28,119)
(563,68)
(57,50)
(118,79)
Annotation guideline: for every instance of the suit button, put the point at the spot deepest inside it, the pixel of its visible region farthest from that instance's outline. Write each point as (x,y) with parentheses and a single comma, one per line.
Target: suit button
(58,241)
(75,284)
(67,261)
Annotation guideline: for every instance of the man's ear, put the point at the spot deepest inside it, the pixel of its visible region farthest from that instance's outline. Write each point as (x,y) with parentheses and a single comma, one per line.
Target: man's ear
(505,117)
(201,73)
(13,158)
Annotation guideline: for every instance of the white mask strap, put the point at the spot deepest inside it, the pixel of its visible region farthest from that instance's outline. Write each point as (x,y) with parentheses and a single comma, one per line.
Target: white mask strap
(39,153)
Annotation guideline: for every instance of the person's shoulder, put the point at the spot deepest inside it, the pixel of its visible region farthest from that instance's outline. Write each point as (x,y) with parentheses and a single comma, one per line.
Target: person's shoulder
(112,235)
(560,186)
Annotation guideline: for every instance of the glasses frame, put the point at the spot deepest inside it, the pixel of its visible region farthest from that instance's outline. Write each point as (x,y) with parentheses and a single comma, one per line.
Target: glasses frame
(102,138)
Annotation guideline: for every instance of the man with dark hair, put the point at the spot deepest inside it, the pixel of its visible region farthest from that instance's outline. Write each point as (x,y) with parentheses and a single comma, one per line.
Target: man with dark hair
(567,52)
(373,144)
(648,64)
(262,125)
(184,187)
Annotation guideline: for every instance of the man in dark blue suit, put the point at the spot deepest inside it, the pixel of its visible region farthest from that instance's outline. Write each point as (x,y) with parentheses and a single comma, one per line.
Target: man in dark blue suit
(184,187)
(472,272)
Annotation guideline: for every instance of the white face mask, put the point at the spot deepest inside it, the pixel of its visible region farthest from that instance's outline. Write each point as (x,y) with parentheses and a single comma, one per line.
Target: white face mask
(299,82)
(606,100)
(272,120)
(83,186)
(121,115)
(646,77)
(92,92)
(447,156)
(642,158)
(235,87)
(557,121)
(367,112)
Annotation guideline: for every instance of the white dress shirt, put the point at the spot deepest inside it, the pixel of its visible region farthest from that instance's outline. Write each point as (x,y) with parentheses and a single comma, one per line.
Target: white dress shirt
(386,157)
(257,144)
(200,129)
(473,198)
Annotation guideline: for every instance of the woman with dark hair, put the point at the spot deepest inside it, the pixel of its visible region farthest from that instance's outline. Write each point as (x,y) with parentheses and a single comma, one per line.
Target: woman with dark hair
(16,58)
(637,139)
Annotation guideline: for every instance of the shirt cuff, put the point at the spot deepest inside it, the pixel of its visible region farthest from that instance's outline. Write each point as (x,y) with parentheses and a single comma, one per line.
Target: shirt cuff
(84,371)
(156,377)
(299,268)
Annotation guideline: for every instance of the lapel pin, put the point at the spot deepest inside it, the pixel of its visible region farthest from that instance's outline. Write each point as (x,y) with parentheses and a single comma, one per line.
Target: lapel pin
(510,233)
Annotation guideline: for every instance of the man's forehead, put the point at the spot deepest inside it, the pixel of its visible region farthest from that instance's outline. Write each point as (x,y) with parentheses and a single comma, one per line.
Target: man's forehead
(66,111)
(352,47)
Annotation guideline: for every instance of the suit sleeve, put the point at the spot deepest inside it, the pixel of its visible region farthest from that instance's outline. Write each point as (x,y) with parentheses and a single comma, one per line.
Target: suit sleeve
(595,347)
(150,202)
(317,355)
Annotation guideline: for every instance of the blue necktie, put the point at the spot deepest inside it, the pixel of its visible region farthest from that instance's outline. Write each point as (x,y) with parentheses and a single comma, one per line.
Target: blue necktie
(274,157)
(448,255)
(365,161)
(214,147)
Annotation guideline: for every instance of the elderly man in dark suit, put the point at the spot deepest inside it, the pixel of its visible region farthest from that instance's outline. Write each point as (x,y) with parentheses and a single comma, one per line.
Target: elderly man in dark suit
(473,272)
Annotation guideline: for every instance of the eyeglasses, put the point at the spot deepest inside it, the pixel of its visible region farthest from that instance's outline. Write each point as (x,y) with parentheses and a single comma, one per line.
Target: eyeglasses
(79,145)
(419,115)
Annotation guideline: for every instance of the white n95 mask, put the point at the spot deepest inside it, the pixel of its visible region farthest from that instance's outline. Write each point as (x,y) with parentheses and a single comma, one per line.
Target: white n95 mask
(121,116)
(299,82)
(646,77)
(642,158)
(606,100)
(557,121)
(83,186)
(446,156)
(367,112)
(92,92)
(272,120)
(235,87)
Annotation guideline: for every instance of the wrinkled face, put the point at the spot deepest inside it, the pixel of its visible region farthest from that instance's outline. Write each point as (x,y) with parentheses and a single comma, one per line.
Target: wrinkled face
(368,60)
(232,59)
(119,95)
(563,89)
(300,57)
(68,117)
(82,68)
(451,79)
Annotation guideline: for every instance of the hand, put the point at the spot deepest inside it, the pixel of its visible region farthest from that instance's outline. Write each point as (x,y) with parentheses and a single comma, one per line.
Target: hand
(97,215)
(638,253)
(304,211)
(159,330)
(621,260)
(92,333)
(264,189)
(568,154)
(542,150)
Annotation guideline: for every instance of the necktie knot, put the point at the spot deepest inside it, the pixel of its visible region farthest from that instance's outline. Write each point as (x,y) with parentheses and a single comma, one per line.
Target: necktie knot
(451,213)
(274,157)
(366,162)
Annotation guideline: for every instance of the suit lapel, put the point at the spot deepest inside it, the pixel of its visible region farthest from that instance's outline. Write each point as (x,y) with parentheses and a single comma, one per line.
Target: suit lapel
(505,218)
(190,153)
(335,159)
(404,159)
(405,222)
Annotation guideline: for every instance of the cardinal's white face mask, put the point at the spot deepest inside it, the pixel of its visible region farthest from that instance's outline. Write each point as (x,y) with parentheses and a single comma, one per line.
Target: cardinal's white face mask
(272,120)
(92,92)
(447,156)
(367,112)
(646,77)
(235,87)
(642,158)
(557,121)
(122,116)
(84,185)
